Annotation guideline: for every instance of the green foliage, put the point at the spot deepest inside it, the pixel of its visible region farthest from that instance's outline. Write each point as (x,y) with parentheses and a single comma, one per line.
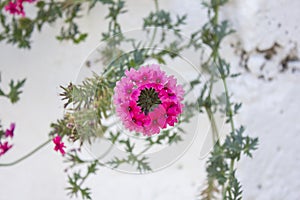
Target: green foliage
(214,4)
(128,145)
(113,137)
(162,19)
(212,34)
(77,179)
(167,137)
(14,91)
(140,162)
(220,165)
(114,33)
(75,189)
(236,143)
(71,31)
(18,30)
(65,127)
(234,189)
(96,89)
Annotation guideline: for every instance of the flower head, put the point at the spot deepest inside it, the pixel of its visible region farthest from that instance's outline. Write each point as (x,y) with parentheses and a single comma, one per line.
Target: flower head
(4,148)
(59,145)
(16,7)
(147,100)
(10,132)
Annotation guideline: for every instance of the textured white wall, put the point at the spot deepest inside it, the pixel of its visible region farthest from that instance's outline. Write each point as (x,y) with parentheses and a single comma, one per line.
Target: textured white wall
(270,109)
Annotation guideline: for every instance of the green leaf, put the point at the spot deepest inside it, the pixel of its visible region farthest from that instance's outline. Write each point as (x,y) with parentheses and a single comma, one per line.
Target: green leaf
(250,145)
(114,137)
(234,189)
(15,90)
(40,4)
(195,82)
(107,1)
(175,138)
(129,147)
(236,108)
(92,168)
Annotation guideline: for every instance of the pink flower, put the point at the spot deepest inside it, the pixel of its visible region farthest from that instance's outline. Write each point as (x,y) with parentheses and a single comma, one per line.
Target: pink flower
(147,100)
(59,146)
(16,7)
(10,132)
(4,148)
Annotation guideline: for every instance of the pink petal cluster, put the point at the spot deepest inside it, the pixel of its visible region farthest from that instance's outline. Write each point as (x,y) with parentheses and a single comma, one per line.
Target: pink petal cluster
(4,145)
(59,145)
(128,90)
(10,132)
(16,7)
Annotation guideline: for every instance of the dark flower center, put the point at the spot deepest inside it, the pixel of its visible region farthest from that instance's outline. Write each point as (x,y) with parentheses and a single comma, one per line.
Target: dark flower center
(148,100)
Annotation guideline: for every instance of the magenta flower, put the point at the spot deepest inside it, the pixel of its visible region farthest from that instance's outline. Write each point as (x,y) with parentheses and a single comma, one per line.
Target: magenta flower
(16,7)
(147,100)
(59,146)
(10,132)
(4,148)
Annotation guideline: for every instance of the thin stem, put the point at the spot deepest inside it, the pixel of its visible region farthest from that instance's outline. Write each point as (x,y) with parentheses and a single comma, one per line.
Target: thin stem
(231,168)
(216,11)
(84,178)
(230,113)
(145,150)
(26,156)
(232,164)
(215,22)
(155,28)
(214,127)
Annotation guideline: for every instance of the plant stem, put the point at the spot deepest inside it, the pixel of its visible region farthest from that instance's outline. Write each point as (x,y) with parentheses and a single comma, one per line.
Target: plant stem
(230,113)
(214,56)
(84,178)
(143,151)
(215,135)
(155,28)
(26,156)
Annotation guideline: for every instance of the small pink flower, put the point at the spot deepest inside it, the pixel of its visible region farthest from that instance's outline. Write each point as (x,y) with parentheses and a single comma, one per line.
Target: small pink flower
(4,148)
(147,100)
(10,132)
(16,7)
(59,146)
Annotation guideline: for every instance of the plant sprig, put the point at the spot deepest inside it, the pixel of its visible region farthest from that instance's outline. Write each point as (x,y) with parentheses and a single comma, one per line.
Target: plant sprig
(18,30)
(14,90)
(221,176)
